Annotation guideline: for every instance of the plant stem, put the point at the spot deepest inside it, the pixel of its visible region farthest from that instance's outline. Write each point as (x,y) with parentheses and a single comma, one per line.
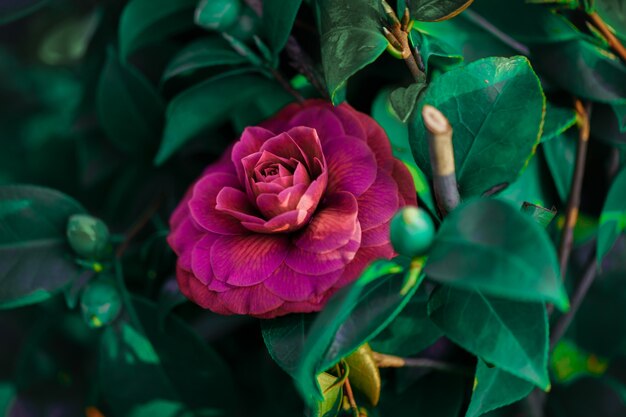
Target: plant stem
(573,201)
(579,295)
(397,33)
(348,389)
(138,225)
(391,361)
(614,43)
(441,159)
(303,63)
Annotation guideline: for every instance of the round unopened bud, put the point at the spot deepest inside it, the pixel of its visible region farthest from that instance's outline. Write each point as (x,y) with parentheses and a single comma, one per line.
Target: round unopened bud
(87,235)
(412,231)
(100,303)
(217,14)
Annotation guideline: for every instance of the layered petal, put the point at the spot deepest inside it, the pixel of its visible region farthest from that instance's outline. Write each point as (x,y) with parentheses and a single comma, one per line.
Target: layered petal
(202,205)
(351,165)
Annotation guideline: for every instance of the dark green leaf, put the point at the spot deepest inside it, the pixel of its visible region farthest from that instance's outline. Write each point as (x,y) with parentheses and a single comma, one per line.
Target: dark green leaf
(148,21)
(613,12)
(541,215)
(530,186)
(129,109)
(436,10)
(205,105)
(560,155)
(557,120)
(278,18)
(7,396)
(605,126)
(495,388)
(11,10)
(67,42)
(352,317)
(435,51)
(351,38)
(35,258)
(587,397)
(491,329)
(284,338)
(203,53)
(403,100)
(495,107)
(489,245)
(613,218)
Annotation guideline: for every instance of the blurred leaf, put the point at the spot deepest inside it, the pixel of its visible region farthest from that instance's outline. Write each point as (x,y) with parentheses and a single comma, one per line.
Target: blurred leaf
(557,120)
(410,332)
(129,109)
(569,362)
(613,12)
(403,100)
(203,53)
(587,397)
(344,24)
(490,246)
(205,105)
(494,134)
(364,373)
(541,215)
(560,154)
(278,18)
(605,126)
(14,9)
(333,396)
(495,388)
(491,329)
(148,21)
(613,218)
(7,396)
(436,10)
(356,314)
(170,371)
(67,42)
(36,259)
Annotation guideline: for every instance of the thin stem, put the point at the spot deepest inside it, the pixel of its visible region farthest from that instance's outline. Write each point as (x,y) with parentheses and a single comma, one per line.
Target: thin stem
(579,295)
(398,35)
(391,361)
(350,394)
(138,225)
(573,202)
(614,43)
(286,86)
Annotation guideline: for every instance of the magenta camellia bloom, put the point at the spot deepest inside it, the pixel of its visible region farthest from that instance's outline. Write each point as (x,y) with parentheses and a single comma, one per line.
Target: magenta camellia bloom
(292,212)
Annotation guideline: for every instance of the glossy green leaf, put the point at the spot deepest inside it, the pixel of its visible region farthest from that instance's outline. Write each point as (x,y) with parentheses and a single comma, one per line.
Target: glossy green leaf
(613,12)
(541,215)
(144,22)
(12,10)
(278,18)
(203,53)
(129,108)
(557,120)
(490,246)
(399,138)
(332,389)
(494,134)
(560,155)
(410,332)
(35,258)
(284,338)
(613,218)
(205,105)
(356,314)
(436,10)
(491,329)
(146,368)
(403,100)
(349,43)
(530,186)
(495,388)
(435,51)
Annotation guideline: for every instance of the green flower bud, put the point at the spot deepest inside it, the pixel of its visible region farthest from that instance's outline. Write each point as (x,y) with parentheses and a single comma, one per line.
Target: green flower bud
(100,303)
(412,231)
(87,235)
(217,14)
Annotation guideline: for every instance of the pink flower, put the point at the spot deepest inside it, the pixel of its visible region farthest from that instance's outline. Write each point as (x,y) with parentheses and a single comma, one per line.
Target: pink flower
(292,212)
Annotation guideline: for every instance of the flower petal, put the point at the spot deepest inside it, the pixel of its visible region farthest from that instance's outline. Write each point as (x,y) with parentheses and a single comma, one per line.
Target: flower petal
(272,205)
(406,187)
(378,204)
(283,223)
(182,240)
(332,226)
(294,286)
(200,294)
(376,236)
(236,203)
(351,165)
(251,300)
(377,141)
(244,261)
(363,258)
(250,142)
(320,118)
(201,259)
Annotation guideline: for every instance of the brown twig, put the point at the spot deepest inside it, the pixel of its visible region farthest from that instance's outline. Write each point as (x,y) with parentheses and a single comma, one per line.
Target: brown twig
(391,361)
(138,225)
(350,394)
(573,201)
(397,33)
(441,159)
(614,43)
(577,299)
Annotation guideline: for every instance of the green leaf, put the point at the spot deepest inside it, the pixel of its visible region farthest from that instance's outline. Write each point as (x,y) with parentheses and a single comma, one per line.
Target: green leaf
(569,362)
(613,218)
(12,10)
(35,258)
(435,51)
(560,155)
(203,53)
(129,109)
(278,18)
(205,106)
(403,100)
(557,120)
(284,338)
(494,133)
(356,314)
(490,246)
(147,369)
(491,329)
(364,373)
(332,389)
(613,12)
(66,42)
(530,186)
(436,10)
(7,396)
(495,388)
(410,332)
(541,215)
(351,38)
(399,138)
(148,21)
